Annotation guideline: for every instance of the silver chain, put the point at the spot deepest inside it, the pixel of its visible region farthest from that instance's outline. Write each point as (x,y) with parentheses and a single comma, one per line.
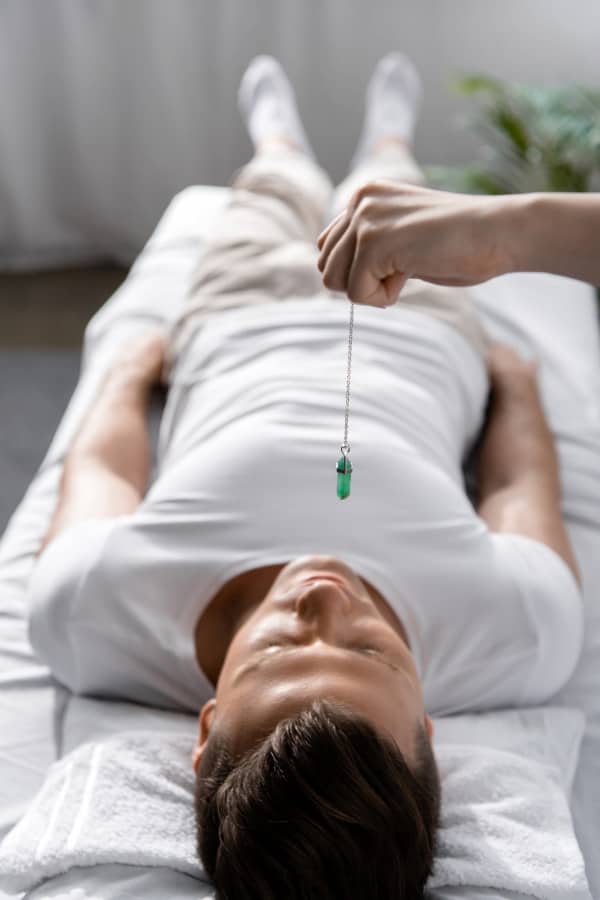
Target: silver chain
(345,447)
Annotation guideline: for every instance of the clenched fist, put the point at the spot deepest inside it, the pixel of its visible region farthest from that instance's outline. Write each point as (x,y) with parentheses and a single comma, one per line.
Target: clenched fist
(390,232)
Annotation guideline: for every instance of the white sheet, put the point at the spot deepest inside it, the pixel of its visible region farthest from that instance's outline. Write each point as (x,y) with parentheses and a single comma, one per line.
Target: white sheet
(556,316)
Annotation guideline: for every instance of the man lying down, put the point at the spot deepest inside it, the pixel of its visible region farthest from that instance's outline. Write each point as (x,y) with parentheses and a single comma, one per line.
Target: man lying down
(315,637)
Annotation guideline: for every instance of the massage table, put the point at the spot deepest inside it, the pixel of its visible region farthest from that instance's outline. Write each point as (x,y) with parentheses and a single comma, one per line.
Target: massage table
(39,720)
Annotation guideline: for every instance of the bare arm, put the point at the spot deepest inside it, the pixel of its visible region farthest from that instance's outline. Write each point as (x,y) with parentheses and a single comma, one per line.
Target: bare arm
(519,481)
(557,233)
(107,468)
(390,232)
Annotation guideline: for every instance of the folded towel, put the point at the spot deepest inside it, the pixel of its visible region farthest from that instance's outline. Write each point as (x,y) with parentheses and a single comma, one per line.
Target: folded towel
(88,811)
(506,824)
(505,820)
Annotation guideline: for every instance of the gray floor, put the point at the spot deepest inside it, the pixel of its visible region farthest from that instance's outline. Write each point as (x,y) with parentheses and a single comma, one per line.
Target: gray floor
(42,320)
(35,387)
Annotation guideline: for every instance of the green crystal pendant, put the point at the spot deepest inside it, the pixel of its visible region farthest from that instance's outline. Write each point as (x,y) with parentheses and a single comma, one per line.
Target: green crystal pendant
(344,474)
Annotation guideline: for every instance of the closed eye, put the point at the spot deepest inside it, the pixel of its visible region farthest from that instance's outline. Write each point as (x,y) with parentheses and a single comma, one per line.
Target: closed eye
(359,648)
(356,648)
(371,651)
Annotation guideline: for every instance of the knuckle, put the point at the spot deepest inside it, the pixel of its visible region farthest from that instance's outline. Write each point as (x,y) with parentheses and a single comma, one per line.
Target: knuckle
(363,190)
(366,237)
(362,193)
(367,206)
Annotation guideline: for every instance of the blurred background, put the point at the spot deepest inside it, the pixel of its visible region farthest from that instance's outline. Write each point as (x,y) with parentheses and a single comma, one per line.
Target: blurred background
(109,107)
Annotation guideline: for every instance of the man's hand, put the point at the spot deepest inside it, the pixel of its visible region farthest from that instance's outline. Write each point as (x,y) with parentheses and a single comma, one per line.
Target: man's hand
(391,232)
(519,475)
(142,360)
(507,367)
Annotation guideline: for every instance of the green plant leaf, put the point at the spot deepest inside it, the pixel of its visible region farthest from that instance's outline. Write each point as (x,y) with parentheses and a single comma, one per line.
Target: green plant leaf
(563,177)
(469,179)
(475,84)
(513,128)
(532,138)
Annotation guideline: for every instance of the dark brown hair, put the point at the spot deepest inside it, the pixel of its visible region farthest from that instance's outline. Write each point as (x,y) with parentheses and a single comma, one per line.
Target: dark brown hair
(324,808)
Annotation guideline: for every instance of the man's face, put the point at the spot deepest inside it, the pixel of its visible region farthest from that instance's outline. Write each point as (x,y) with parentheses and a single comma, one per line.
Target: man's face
(317,634)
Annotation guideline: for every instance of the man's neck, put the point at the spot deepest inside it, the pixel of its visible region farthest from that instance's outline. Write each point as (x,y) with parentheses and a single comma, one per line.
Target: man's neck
(226,613)
(235,602)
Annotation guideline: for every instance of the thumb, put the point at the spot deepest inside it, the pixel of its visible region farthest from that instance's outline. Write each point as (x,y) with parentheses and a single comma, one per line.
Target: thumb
(393,284)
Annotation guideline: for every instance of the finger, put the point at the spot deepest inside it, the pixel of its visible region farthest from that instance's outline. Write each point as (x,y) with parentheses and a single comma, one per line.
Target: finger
(369,283)
(378,298)
(335,234)
(326,230)
(335,274)
(363,286)
(338,226)
(366,285)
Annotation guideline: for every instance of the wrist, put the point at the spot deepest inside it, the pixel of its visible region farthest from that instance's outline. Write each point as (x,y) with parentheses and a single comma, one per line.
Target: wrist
(525,222)
(129,384)
(509,218)
(517,391)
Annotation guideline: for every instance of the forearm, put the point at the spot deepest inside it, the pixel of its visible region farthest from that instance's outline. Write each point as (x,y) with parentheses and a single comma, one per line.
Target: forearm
(519,476)
(114,433)
(518,444)
(554,232)
(107,468)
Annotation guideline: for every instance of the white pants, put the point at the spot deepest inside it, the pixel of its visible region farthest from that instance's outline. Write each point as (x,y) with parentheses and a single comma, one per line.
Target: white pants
(264,246)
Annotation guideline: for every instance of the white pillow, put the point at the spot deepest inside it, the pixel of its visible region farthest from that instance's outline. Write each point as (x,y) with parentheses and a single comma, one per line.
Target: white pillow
(529,748)
(547,734)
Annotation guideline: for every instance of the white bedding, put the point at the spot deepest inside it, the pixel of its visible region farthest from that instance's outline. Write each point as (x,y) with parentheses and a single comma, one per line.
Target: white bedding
(519,835)
(555,317)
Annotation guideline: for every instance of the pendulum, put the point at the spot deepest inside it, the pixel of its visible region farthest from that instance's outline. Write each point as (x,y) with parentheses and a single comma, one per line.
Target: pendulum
(344,466)
(344,474)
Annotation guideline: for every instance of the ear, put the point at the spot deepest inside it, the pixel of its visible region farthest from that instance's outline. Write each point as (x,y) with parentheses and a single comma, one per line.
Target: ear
(205,721)
(429,727)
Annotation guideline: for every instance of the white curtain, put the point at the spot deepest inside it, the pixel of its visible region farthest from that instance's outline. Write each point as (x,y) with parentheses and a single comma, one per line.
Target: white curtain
(108,107)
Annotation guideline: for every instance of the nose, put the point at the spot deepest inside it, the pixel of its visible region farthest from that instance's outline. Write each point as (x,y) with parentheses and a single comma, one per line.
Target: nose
(322,599)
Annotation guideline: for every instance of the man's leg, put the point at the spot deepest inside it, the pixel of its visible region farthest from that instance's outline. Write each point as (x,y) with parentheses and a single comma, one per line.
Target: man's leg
(385,152)
(392,103)
(391,159)
(264,245)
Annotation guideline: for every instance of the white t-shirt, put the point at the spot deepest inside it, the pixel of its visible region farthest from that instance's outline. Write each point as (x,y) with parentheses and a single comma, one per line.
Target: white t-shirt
(247,453)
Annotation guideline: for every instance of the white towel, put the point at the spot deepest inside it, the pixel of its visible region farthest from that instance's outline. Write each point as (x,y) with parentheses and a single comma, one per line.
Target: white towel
(505,819)
(506,824)
(126,800)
